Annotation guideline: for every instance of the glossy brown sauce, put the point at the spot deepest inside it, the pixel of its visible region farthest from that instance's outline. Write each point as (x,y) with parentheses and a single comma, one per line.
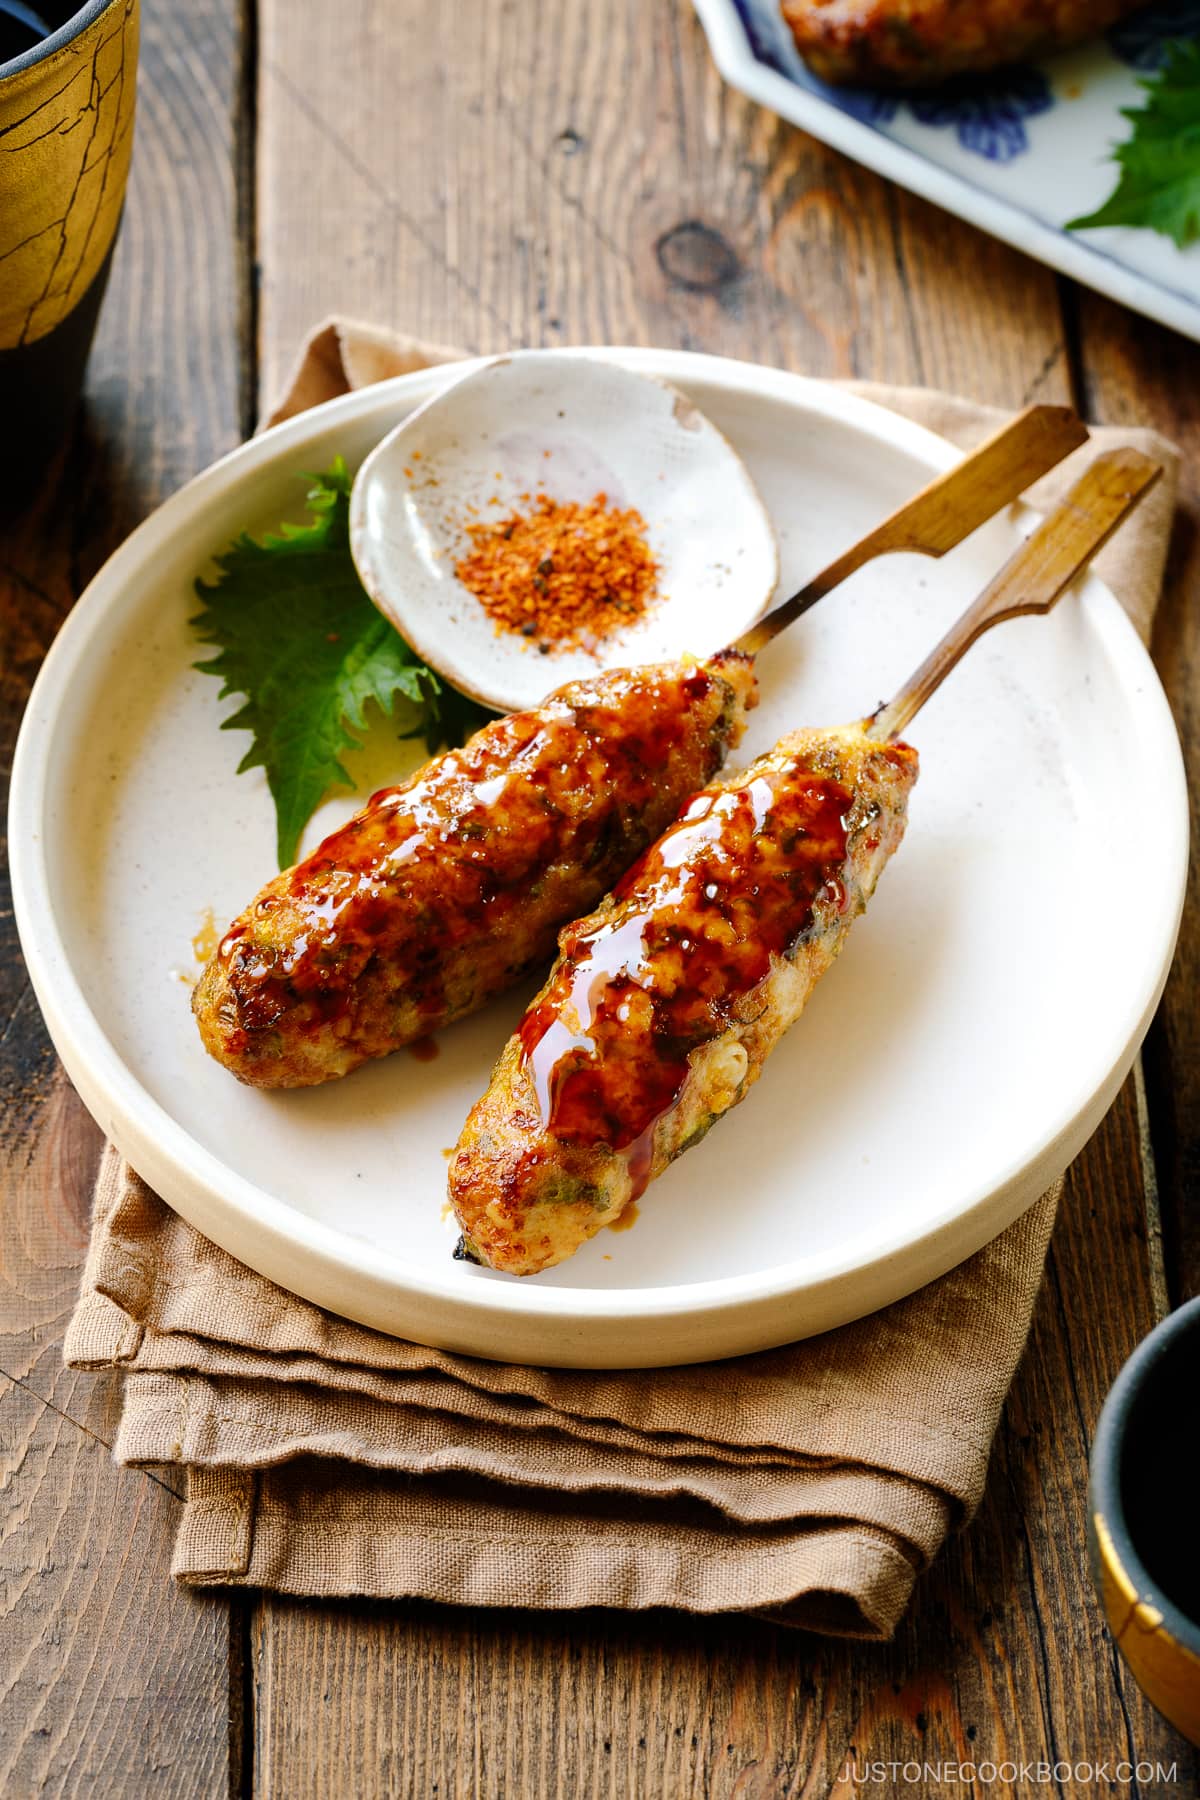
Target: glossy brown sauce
(628,1218)
(425,1049)
(691,935)
(204,943)
(446,859)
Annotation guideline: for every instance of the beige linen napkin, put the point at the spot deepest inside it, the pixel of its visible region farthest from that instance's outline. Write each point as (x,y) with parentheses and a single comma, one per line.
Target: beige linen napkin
(810,1483)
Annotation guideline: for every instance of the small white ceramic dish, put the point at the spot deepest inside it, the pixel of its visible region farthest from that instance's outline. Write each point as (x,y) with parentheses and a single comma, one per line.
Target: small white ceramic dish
(966,1045)
(571,427)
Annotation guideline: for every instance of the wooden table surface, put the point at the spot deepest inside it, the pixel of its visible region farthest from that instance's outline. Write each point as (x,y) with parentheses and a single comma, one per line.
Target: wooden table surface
(489,175)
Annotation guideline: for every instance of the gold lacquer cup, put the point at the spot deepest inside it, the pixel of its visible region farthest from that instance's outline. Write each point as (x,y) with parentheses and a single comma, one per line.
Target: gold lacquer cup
(1144,1523)
(66,131)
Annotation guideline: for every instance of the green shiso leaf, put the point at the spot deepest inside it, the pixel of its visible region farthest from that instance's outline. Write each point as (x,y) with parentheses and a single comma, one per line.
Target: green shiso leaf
(1159,185)
(299,639)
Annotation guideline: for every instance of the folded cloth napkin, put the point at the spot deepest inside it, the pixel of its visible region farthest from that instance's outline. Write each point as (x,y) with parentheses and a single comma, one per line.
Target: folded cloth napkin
(810,1483)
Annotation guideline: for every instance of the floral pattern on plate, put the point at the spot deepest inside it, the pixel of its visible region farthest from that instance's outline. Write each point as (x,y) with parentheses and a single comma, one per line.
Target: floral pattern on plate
(986,118)
(987,114)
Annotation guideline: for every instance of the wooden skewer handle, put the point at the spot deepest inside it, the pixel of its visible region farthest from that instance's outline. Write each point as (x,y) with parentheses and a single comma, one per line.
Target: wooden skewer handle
(948,509)
(1039,572)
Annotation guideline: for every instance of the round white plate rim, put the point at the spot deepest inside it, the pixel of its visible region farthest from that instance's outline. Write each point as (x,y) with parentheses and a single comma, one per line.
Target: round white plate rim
(216,1199)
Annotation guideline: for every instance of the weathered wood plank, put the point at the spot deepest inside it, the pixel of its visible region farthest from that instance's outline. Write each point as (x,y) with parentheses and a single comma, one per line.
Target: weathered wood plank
(114,1682)
(1137,372)
(542,173)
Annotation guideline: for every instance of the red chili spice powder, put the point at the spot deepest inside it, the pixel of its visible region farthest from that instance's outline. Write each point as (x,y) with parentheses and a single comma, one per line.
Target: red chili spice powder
(562,573)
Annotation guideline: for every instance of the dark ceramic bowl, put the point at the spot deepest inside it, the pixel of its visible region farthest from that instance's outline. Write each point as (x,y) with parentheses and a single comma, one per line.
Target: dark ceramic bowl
(66,121)
(1144,1516)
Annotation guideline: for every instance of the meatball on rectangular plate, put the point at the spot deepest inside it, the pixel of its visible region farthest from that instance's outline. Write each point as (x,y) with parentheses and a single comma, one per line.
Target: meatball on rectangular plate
(979,107)
(964,1045)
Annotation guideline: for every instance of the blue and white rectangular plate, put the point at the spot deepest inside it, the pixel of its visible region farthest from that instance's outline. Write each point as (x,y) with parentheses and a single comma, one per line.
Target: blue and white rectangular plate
(1018,156)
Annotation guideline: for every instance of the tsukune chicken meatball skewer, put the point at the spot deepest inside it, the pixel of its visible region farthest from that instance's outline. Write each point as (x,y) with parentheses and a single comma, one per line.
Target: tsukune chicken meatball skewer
(447,889)
(665,1002)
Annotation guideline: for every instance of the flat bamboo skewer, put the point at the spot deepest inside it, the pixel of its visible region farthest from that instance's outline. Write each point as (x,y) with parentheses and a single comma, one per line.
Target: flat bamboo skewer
(947,510)
(1036,575)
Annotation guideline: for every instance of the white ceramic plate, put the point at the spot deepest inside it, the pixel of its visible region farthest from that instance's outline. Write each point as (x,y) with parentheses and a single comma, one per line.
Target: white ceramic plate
(964,1048)
(1017,154)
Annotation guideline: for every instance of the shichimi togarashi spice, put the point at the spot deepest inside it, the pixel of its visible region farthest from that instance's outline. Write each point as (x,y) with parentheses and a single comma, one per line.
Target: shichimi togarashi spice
(562,573)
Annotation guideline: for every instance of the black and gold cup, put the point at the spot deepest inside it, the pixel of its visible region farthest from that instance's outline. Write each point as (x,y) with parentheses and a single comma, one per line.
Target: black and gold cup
(1144,1524)
(68,78)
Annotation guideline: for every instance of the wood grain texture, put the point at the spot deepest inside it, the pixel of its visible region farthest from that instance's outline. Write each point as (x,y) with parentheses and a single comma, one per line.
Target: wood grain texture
(113,1682)
(1136,371)
(536,173)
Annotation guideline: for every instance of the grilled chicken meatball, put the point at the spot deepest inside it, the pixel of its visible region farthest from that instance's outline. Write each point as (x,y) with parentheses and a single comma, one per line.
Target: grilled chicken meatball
(918,43)
(665,1002)
(446,890)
